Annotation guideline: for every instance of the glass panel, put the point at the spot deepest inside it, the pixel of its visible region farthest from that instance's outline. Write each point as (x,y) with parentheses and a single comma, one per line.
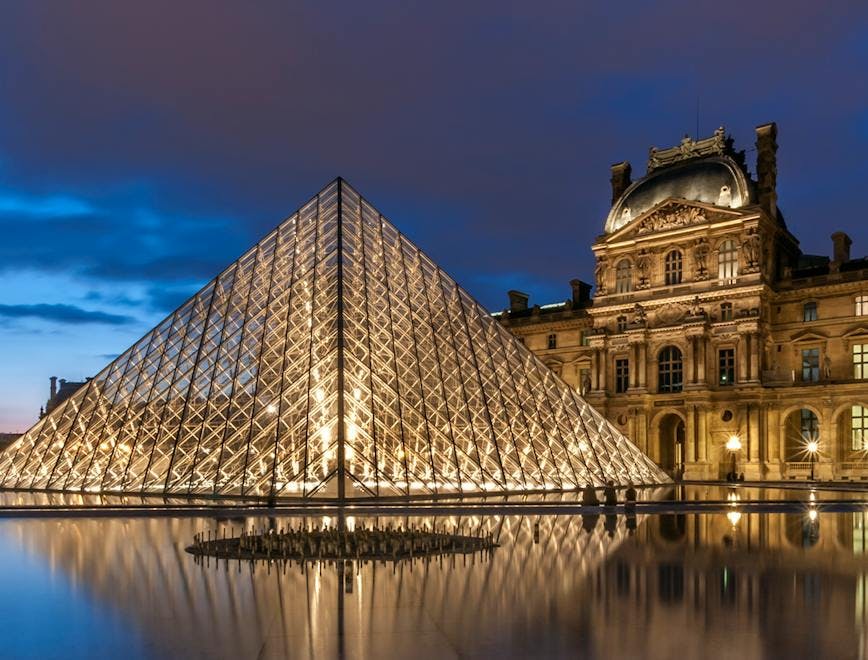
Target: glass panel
(247,390)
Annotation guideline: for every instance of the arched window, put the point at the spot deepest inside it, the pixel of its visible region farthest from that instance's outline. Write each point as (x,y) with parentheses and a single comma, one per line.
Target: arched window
(672,268)
(727,262)
(801,427)
(624,276)
(670,369)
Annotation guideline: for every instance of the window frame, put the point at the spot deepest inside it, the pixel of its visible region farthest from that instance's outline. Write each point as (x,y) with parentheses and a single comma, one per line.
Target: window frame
(860,429)
(809,425)
(727,262)
(860,366)
(810,311)
(673,268)
(727,311)
(552,341)
(729,366)
(811,371)
(622,375)
(860,305)
(670,369)
(624,276)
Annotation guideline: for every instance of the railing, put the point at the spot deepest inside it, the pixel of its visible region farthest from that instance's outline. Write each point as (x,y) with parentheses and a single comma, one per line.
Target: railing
(802,466)
(853,465)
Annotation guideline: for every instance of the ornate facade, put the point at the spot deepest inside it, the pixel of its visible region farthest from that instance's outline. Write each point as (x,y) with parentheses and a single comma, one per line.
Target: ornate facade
(712,340)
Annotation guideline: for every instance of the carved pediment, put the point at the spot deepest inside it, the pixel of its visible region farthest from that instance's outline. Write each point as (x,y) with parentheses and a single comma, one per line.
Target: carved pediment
(673,214)
(856,331)
(808,335)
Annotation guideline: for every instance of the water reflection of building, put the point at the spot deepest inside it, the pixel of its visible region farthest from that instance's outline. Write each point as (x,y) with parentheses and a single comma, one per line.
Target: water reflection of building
(758,585)
(501,606)
(681,586)
(708,321)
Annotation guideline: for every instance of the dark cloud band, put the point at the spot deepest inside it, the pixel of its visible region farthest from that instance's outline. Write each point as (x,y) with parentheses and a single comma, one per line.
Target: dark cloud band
(69,314)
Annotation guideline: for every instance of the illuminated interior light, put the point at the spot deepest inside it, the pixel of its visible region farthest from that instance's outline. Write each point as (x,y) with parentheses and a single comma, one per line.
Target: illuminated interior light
(291,364)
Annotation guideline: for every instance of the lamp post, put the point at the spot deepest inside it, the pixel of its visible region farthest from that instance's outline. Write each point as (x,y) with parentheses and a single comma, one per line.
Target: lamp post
(813,447)
(733,446)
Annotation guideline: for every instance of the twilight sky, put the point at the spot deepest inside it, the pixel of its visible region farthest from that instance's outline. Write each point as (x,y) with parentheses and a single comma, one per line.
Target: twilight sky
(144,146)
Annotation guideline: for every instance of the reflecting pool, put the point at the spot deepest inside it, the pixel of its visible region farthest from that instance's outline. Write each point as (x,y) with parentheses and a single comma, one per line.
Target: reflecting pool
(728,584)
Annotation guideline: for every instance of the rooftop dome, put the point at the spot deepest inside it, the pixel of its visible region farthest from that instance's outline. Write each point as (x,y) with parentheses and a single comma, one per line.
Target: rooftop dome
(700,171)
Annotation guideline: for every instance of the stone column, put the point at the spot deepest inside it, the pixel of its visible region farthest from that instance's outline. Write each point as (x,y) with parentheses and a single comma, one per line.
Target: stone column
(690,436)
(642,365)
(700,375)
(601,369)
(752,415)
(702,444)
(690,371)
(594,370)
(754,357)
(742,352)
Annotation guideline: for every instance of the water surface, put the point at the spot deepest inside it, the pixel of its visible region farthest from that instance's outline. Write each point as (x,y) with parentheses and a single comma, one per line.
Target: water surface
(728,584)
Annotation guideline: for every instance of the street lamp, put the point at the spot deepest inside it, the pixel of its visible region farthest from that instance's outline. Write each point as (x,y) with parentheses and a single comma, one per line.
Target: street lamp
(733,446)
(813,447)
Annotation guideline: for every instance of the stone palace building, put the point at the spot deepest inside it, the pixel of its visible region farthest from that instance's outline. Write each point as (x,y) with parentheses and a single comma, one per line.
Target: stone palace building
(711,340)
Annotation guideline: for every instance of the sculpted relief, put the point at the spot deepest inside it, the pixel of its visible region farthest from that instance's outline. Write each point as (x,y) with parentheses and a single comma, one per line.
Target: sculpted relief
(751,252)
(672,217)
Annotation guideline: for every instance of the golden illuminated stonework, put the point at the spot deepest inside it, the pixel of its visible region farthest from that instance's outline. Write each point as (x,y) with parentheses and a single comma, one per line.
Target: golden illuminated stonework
(333,359)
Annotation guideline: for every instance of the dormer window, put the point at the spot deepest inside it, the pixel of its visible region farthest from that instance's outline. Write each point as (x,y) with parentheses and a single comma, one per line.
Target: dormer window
(624,276)
(672,268)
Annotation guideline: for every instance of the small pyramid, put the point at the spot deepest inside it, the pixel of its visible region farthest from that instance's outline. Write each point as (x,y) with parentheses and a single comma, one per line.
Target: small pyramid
(333,359)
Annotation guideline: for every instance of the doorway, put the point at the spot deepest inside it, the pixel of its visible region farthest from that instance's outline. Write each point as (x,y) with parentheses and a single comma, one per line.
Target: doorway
(671,445)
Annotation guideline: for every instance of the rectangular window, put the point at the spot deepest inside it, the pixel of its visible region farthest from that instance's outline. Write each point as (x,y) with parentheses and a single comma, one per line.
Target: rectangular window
(553,341)
(586,339)
(622,324)
(860,361)
(810,365)
(861,305)
(726,366)
(859,428)
(726,311)
(622,375)
(809,311)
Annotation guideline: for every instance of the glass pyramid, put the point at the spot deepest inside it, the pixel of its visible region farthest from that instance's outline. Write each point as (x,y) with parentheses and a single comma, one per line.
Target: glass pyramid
(333,359)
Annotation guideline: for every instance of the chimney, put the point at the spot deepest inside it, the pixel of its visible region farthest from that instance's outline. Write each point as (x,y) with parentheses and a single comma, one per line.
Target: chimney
(767,167)
(518,301)
(581,292)
(841,247)
(53,389)
(620,179)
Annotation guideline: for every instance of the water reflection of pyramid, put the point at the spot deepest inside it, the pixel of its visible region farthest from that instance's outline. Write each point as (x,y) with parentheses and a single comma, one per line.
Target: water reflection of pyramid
(332,359)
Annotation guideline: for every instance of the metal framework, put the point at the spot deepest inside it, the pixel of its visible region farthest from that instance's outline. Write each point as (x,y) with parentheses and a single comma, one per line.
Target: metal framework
(333,359)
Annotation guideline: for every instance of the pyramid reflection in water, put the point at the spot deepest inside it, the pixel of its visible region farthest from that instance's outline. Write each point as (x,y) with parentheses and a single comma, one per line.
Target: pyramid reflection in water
(332,359)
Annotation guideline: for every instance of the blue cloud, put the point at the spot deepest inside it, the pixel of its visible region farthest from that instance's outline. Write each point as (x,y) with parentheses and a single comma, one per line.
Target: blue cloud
(63,314)
(47,207)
